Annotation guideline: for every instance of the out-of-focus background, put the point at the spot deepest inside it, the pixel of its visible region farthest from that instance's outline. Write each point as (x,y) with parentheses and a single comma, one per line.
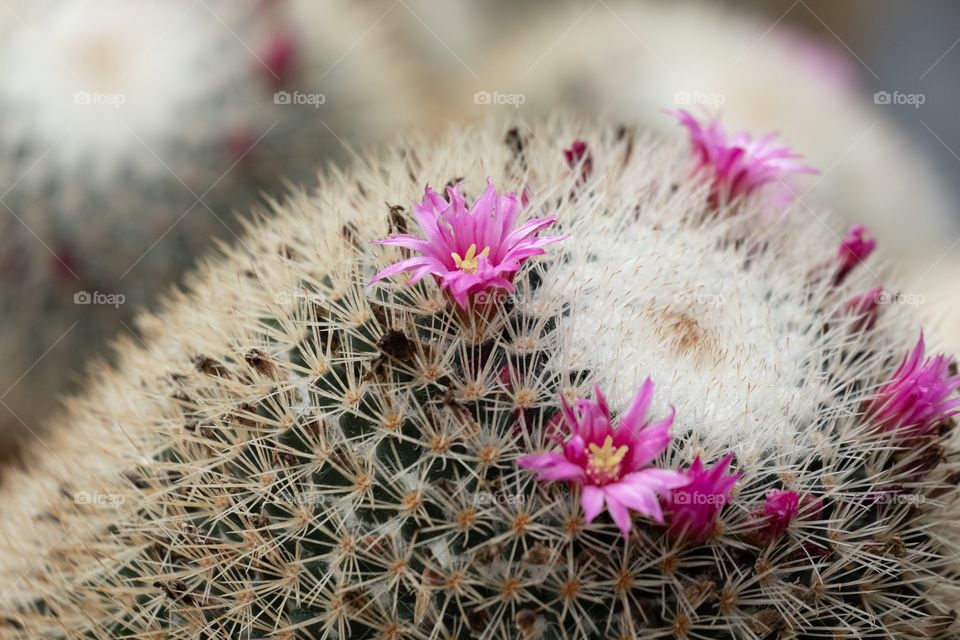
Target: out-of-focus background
(137,134)
(895,45)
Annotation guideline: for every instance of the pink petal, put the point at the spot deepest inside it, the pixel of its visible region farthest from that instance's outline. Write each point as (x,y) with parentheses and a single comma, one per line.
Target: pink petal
(638,490)
(633,419)
(620,515)
(563,471)
(660,480)
(407,241)
(537,461)
(528,229)
(405,265)
(639,498)
(591,499)
(427,214)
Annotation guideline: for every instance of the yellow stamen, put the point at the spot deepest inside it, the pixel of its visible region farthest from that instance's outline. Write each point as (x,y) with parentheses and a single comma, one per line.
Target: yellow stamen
(604,464)
(468,263)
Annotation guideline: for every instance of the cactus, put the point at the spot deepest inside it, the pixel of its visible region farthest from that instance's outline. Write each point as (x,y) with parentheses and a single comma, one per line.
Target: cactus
(133,130)
(332,438)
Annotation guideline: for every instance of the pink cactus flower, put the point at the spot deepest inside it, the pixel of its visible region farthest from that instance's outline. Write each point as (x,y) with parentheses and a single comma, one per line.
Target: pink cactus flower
(917,398)
(692,510)
(738,164)
(780,509)
(470,250)
(855,248)
(612,465)
(579,155)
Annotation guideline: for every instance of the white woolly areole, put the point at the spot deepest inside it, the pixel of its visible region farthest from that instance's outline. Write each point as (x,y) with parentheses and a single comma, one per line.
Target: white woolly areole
(735,361)
(728,332)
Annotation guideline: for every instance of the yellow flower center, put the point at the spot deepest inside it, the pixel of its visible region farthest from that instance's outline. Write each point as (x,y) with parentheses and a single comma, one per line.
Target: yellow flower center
(604,462)
(468,263)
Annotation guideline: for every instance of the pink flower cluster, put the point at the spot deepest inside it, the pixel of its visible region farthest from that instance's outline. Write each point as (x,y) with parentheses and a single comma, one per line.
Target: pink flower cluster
(469,250)
(737,164)
(917,398)
(612,465)
(614,468)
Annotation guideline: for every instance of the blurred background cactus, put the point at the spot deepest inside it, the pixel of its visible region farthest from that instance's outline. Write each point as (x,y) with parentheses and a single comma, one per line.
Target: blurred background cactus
(295,452)
(132,132)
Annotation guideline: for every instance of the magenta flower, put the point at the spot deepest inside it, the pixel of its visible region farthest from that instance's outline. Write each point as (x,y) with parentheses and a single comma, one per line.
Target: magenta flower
(612,465)
(780,509)
(855,248)
(469,250)
(737,164)
(916,399)
(693,509)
